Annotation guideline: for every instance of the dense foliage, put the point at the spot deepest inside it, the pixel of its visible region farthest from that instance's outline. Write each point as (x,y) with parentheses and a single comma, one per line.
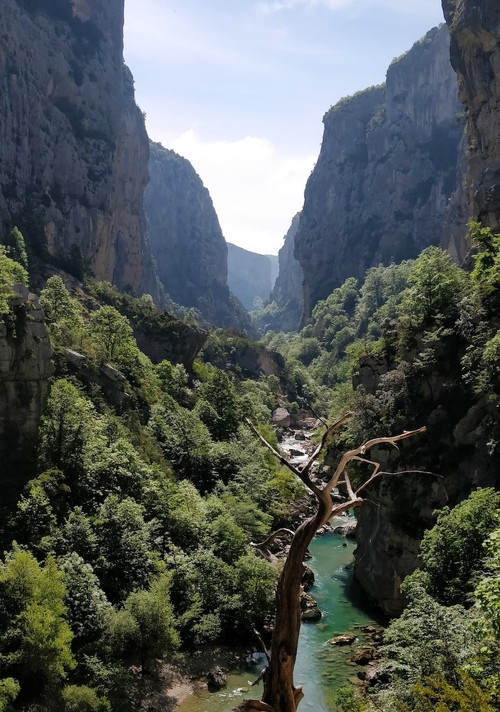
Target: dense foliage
(132,537)
(443,653)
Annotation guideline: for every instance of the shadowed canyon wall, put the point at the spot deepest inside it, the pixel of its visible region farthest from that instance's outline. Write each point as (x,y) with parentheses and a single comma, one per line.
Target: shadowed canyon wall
(73,146)
(385,173)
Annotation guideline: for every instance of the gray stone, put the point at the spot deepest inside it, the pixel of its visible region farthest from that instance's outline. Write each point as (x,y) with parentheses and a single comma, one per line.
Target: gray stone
(281,418)
(216,679)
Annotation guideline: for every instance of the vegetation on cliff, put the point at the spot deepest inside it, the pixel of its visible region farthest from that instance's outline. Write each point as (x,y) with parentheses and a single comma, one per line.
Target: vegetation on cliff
(132,535)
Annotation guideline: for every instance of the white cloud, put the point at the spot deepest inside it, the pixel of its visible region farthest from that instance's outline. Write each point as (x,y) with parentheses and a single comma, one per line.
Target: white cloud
(256,190)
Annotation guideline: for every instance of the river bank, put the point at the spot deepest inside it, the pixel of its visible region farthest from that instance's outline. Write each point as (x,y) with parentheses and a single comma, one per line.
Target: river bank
(321,667)
(185,675)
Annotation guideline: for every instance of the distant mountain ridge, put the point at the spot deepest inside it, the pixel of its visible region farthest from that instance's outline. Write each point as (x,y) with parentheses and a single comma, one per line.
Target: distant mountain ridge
(251,276)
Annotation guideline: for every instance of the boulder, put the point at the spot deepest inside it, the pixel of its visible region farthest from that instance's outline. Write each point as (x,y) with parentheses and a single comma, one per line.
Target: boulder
(344,639)
(348,529)
(311,615)
(216,679)
(307,601)
(281,418)
(307,578)
(364,656)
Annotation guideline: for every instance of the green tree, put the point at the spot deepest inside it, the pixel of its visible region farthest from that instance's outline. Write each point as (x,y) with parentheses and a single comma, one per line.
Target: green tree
(86,603)
(113,334)
(9,690)
(16,247)
(453,550)
(154,633)
(69,422)
(222,416)
(57,302)
(486,272)
(185,442)
(436,286)
(36,638)
(80,698)
(428,639)
(124,562)
(11,272)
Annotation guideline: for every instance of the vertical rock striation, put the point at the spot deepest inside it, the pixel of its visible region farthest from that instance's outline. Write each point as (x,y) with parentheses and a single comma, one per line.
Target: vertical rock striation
(186,239)
(475,56)
(386,170)
(25,369)
(73,146)
(463,430)
(287,292)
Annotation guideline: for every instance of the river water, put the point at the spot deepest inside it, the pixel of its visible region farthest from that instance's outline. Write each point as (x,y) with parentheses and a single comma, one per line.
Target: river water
(320,668)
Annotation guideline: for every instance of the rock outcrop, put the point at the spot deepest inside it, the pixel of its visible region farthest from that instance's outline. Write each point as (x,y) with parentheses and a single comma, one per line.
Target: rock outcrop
(457,454)
(186,240)
(25,367)
(73,146)
(386,170)
(249,275)
(475,56)
(287,292)
(465,428)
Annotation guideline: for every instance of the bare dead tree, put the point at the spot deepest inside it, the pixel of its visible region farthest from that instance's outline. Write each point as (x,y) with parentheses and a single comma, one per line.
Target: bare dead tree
(280,693)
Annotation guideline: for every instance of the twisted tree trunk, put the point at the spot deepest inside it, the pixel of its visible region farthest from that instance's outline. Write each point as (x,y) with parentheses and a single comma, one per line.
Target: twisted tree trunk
(280,693)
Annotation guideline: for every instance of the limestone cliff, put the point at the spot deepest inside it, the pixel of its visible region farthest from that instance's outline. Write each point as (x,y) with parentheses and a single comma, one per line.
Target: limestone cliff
(186,239)
(459,449)
(249,275)
(387,167)
(475,56)
(463,429)
(73,146)
(287,292)
(25,367)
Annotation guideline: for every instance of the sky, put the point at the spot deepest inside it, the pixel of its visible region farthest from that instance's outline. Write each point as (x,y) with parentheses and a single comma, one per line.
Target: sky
(240,87)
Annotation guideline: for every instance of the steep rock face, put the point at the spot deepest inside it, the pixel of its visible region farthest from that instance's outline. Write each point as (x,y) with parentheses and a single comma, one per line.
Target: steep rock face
(25,367)
(186,239)
(463,431)
(73,146)
(287,291)
(458,448)
(249,275)
(387,167)
(475,56)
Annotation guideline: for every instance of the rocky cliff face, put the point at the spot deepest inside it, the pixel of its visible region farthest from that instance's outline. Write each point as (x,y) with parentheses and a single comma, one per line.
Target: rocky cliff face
(73,147)
(249,275)
(387,167)
(186,239)
(459,447)
(475,56)
(25,367)
(463,429)
(287,292)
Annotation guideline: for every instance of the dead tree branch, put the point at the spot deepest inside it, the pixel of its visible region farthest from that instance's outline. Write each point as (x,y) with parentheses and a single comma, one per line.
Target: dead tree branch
(280,693)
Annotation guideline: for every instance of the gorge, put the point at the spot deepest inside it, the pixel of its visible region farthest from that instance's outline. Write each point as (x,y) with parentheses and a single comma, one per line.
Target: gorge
(133,491)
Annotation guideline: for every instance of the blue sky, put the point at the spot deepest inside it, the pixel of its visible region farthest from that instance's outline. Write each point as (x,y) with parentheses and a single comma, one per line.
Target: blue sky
(239,87)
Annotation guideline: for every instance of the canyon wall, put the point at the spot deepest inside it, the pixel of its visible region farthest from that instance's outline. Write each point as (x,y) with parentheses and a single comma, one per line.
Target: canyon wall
(385,173)
(186,240)
(73,146)
(463,429)
(475,56)
(250,275)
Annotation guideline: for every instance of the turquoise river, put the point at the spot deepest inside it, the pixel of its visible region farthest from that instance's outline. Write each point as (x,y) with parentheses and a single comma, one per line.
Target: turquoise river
(321,668)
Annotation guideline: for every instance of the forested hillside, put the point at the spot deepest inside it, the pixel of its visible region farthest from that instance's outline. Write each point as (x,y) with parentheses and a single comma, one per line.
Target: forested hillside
(128,535)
